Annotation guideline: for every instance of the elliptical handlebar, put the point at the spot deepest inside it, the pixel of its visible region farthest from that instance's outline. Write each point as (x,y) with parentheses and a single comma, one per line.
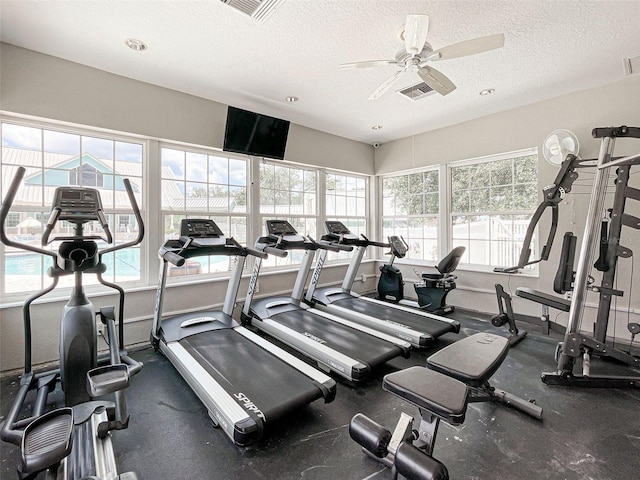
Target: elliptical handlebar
(139,220)
(4,211)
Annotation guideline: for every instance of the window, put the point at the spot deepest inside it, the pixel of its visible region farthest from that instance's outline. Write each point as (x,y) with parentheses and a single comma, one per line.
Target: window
(492,202)
(346,201)
(86,175)
(203,184)
(410,206)
(289,193)
(56,158)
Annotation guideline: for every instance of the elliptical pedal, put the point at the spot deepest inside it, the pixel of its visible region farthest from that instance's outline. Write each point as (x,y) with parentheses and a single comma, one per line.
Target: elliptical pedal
(47,440)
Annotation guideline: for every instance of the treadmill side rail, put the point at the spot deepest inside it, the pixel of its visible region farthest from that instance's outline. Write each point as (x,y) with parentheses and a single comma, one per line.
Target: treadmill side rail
(325,382)
(222,407)
(411,310)
(327,358)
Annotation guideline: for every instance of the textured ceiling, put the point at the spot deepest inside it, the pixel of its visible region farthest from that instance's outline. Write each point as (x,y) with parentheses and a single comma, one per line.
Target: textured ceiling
(211,50)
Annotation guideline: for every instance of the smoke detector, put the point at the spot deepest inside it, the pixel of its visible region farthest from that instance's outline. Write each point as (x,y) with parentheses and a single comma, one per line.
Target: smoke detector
(259,10)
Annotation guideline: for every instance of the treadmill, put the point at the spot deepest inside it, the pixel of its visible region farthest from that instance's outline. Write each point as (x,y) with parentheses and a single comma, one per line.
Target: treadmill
(336,344)
(244,381)
(419,328)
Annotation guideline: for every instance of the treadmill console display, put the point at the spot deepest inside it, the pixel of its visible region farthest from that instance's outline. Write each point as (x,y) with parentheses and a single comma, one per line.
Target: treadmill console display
(77,203)
(204,228)
(336,228)
(280,227)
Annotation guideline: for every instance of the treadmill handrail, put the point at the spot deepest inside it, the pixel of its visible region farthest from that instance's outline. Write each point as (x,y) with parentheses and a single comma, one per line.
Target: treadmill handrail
(275,251)
(173,258)
(186,249)
(334,247)
(279,242)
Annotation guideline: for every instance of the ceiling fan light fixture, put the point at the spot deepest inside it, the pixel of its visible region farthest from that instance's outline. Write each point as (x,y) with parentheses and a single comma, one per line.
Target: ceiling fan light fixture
(487,91)
(135,44)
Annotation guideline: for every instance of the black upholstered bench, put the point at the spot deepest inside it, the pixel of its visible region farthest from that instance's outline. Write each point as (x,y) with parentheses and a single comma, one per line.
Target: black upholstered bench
(456,375)
(438,397)
(473,360)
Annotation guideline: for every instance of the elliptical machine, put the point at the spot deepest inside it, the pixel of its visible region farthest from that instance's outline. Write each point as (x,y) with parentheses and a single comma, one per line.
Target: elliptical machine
(73,442)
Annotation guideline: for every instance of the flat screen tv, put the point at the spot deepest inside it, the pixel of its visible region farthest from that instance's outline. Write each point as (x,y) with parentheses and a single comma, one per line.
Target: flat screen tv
(255,134)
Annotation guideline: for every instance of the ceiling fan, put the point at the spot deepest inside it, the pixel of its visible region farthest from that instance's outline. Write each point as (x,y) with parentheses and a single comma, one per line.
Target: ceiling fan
(417,53)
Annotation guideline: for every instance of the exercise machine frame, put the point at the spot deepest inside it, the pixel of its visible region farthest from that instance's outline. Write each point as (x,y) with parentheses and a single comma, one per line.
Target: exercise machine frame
(73,441)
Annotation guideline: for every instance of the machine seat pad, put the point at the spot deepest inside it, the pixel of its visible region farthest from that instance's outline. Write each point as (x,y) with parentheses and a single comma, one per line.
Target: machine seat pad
(472,360)
(552,301)
(429,390)
(433,276)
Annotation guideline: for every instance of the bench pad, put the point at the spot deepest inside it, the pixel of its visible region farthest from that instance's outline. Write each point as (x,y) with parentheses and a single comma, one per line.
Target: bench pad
(471,360)
(429,390)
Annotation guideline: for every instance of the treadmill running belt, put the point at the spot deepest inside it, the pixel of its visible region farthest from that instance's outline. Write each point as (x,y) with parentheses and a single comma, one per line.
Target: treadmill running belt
(433,327)
(271,384)
(358,345)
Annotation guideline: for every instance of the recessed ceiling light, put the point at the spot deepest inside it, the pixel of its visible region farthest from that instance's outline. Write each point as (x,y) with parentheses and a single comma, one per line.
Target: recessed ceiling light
(488,91)
(135,44)
(292,99)
(376,127)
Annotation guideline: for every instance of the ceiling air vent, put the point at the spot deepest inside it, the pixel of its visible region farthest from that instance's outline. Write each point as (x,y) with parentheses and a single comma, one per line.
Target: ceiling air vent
(416,92)
(259,10)
(632,65)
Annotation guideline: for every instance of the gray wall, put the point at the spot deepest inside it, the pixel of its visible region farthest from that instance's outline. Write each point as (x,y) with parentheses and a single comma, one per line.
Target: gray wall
(526,127)
(44,86)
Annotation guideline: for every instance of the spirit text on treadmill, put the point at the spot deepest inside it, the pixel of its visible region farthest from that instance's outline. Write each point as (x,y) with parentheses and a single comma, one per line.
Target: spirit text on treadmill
(249,405)
(313,337)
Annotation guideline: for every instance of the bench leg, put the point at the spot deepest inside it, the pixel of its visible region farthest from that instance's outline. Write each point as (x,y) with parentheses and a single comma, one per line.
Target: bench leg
(528,407)
(427,432)
(506,316)
(487,393)
(406,452)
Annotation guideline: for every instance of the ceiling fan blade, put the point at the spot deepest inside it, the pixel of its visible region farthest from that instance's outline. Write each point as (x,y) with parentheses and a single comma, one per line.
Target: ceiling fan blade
(386,85)
(415,33)
(436,80)
(469,47)
(367,64)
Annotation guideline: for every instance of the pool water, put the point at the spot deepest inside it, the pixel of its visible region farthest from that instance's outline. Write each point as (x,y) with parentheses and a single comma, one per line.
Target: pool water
(127,263)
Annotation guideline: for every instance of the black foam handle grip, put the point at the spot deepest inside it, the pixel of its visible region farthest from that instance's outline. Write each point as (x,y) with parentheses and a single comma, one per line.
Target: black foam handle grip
(372,436)
(414,464)
(174,258)
(257,253)
(275,251)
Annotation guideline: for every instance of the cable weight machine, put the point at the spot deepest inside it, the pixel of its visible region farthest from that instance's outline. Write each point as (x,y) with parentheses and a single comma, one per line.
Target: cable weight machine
(577,345)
